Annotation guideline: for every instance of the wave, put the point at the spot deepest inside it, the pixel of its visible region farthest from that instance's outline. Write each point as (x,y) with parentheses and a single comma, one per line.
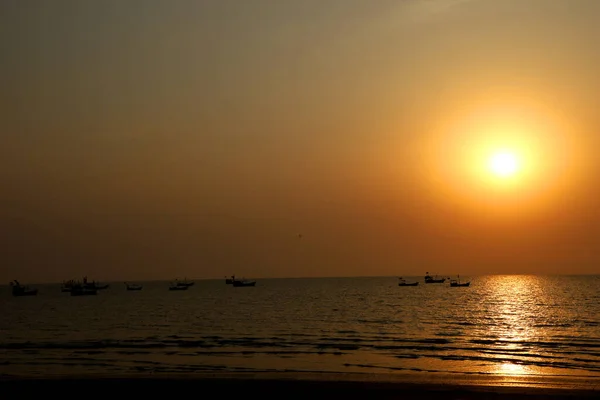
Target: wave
(578,355)
(577,346)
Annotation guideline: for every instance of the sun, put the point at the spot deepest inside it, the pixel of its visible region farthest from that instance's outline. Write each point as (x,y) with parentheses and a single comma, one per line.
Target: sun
(504,163)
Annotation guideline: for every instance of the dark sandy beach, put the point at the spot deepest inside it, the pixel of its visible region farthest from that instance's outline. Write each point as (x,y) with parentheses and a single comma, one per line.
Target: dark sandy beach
(297,385)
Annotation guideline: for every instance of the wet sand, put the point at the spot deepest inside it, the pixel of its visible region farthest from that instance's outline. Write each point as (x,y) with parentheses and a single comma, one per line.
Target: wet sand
(313,385)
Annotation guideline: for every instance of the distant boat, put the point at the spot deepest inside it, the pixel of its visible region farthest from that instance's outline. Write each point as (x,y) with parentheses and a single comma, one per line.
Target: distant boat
(67,286)
(19,290)
(93,285)
(184,283)
(82,290)
(402,282)
(431,279)
(96,286)
(178,287)
(243,283)
(457,283)
(133,286)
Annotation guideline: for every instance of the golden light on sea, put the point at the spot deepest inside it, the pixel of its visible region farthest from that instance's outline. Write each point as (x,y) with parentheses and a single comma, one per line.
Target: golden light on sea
(509,368)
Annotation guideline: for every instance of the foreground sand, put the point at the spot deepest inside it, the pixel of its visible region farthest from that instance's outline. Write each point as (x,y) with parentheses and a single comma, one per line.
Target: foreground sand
(298,385)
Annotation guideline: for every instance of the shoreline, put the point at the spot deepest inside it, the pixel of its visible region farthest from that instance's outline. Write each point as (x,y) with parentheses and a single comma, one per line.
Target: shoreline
(283,384)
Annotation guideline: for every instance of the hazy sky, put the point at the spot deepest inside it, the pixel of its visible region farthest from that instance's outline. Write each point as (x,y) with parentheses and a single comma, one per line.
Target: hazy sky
(159,139)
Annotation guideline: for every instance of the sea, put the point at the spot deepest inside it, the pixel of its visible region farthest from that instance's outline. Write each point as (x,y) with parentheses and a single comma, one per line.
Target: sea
(501,325)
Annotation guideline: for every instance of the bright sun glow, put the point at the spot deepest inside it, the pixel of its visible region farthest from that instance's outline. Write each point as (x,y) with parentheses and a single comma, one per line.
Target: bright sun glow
(504,164)
(506,157)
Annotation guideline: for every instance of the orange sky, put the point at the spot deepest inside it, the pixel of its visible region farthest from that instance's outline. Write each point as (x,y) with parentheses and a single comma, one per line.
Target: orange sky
(153,140)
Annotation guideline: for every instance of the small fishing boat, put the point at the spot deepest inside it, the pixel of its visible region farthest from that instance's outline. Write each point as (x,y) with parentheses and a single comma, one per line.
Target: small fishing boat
(457,283)
(431,279)
(97,286)
(93,285)
(19,290)
(184,283)
(175,286)
(243,283)
(67,285)
(82,290)
(132,286)
(403,282)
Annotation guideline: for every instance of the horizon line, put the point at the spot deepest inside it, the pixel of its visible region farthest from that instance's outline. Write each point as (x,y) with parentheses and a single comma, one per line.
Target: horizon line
(310,277)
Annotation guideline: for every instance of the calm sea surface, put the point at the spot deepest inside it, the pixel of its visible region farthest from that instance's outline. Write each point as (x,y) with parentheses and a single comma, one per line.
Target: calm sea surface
(507,325)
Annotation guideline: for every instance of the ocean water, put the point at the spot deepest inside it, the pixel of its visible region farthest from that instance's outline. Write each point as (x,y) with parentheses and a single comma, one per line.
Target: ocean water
(500,325)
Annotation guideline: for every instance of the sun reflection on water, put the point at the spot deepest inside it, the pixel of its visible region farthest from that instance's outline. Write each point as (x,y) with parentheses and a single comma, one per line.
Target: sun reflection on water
(516,303)
(509,368)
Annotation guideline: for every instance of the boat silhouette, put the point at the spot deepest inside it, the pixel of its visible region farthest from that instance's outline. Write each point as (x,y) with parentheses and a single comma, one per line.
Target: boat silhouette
(19,290)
